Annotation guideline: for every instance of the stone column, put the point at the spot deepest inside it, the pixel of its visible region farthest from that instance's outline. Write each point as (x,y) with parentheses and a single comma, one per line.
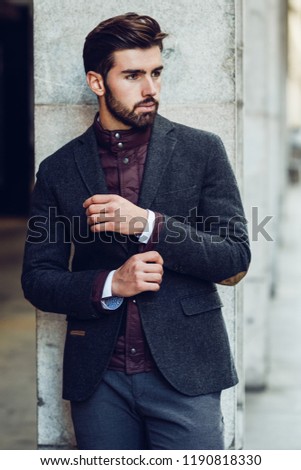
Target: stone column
(202,88)
(264,151)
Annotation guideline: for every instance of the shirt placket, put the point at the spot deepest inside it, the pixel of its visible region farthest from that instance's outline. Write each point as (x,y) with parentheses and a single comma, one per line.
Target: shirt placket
(134,346)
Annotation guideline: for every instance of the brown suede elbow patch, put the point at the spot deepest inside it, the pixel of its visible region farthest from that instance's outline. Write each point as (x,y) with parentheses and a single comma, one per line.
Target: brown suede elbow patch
(232,281)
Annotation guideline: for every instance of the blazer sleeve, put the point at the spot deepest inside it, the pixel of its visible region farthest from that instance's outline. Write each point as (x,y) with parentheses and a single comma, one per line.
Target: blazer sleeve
(212,243)
(47,281)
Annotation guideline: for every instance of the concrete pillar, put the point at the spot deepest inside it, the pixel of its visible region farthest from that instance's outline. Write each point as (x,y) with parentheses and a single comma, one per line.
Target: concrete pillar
(264,151)
(202,88)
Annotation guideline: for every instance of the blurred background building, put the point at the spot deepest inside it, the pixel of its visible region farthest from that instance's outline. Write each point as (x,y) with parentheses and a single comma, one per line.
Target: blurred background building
(254,102)
(294,88)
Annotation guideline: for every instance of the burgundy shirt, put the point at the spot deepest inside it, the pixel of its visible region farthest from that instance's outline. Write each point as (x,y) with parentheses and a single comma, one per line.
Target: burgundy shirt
(122,157)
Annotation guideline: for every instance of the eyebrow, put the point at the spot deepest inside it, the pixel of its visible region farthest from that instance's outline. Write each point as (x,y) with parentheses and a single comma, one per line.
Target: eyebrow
(157,69)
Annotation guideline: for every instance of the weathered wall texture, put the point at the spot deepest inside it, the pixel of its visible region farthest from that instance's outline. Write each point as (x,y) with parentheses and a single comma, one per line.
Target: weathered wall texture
(264,161)
(201,88)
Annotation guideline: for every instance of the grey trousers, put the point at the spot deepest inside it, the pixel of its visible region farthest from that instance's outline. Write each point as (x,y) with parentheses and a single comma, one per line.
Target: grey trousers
(142,411)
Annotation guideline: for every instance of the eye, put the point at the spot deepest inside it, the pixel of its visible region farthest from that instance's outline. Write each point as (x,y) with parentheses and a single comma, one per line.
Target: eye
(156,73)
(132,76)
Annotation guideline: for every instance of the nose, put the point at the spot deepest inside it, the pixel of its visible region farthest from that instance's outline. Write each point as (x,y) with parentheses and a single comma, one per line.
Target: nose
(149,87)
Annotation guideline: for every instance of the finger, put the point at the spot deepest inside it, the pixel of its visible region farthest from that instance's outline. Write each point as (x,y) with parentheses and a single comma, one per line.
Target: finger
(150,286)
(152,268)
(157,258)
(96,209)
(108,226)
(103,217)
(150,257)
(99,199)
(97,220)
(106,218)
(152,278)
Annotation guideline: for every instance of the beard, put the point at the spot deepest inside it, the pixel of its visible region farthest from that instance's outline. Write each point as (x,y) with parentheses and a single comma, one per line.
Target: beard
(127,116)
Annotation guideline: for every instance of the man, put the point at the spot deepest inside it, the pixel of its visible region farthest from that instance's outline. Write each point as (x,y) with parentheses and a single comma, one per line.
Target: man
(146,353)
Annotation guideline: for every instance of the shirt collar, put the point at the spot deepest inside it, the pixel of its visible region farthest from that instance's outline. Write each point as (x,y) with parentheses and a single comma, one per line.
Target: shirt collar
(120,140)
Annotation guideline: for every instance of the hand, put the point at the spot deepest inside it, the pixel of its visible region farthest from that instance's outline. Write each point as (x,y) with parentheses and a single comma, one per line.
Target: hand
(140,273)
(113,213)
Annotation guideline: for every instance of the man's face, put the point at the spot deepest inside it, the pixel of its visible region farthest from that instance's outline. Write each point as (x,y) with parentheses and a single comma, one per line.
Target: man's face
(132,88)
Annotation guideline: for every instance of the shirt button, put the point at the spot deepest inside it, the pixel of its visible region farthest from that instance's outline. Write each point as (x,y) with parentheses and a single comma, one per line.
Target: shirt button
(117,135)
(120,145)
(134,301)
(133,351)
(126,160)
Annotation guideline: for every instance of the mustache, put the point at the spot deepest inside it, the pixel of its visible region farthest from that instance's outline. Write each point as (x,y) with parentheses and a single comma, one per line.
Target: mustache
(146,101)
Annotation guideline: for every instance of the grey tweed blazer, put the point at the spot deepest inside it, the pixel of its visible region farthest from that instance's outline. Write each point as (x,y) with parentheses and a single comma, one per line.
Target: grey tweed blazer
(203,241)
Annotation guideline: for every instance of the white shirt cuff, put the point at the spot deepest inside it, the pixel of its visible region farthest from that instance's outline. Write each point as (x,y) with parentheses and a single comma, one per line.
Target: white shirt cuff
(149,228)
(107,288)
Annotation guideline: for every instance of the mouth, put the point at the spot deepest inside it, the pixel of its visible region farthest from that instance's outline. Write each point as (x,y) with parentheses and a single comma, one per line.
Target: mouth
(147,106)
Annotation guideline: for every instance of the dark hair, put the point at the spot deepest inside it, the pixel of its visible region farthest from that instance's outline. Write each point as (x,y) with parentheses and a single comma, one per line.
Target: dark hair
(128,31)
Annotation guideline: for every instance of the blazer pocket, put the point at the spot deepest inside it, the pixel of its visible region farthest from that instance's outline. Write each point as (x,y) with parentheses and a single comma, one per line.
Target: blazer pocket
(197,304)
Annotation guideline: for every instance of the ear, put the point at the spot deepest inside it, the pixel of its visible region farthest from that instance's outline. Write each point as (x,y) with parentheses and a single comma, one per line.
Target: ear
(95,83)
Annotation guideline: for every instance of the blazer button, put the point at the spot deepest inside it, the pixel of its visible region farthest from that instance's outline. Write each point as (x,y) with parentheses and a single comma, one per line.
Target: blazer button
(133,351)
(120,145)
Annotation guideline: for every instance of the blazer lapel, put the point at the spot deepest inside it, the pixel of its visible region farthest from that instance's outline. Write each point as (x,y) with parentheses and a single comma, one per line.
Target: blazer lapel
(160,149)
(87,161)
